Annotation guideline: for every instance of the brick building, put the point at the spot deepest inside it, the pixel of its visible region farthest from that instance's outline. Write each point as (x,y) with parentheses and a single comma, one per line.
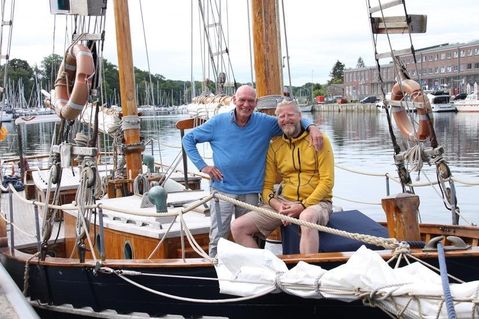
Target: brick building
(448,67)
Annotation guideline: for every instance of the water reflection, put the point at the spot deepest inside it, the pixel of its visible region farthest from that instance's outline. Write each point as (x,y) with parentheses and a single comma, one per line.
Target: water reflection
(361,142)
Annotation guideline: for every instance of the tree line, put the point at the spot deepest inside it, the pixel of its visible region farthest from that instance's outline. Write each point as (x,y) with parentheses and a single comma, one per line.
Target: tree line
(151,88)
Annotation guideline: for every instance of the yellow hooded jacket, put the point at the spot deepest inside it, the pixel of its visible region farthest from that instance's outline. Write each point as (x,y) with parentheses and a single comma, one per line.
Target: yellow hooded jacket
(307,175)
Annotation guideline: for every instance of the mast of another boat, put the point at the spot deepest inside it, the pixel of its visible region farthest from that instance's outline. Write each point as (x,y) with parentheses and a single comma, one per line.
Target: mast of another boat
(126,76)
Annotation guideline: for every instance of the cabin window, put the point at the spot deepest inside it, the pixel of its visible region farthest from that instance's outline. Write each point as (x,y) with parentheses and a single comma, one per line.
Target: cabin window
(128,250)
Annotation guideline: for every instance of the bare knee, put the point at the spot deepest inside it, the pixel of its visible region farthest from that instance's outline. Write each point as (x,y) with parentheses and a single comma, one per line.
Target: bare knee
(236,227)
(242,226)
(308,215)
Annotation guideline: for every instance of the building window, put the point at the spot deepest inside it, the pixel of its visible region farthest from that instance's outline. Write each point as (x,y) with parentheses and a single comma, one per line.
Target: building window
(469,66)
(448,55)
(443,56)
(469,52)
(463,53)
(456,54)
(476,65)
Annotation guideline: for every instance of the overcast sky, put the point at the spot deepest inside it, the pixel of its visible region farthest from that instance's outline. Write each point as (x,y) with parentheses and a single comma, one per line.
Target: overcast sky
(319,33)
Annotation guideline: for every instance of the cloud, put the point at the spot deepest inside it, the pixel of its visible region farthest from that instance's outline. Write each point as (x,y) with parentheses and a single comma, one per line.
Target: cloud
(319,33)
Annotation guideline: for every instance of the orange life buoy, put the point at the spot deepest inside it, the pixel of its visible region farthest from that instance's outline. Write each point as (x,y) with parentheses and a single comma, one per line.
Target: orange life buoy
(413,90)
(73,82)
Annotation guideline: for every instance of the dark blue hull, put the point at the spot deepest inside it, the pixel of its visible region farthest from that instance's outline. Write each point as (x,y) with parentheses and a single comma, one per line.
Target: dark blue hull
(81,287)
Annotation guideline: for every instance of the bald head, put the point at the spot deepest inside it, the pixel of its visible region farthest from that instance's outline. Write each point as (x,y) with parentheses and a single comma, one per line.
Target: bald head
(245,102)
(246,90)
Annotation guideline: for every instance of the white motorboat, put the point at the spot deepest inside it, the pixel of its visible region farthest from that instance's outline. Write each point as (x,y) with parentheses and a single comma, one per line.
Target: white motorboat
(469,104)
(441,103)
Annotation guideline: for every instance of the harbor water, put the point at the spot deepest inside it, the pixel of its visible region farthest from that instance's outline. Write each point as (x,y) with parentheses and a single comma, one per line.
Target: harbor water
(363,157)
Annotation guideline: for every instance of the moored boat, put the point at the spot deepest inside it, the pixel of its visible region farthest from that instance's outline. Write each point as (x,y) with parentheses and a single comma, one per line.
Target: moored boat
(441,102)
(469,104)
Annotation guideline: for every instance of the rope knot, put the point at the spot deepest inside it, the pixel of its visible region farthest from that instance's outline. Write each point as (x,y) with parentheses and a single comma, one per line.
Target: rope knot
(403,248)
(370,299)
(277,281)
(317,286)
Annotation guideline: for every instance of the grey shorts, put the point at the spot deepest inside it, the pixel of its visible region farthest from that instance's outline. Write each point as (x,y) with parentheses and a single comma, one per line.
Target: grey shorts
(266,224)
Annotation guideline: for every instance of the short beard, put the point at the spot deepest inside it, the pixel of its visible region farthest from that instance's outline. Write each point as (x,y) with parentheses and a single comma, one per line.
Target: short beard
(291,131)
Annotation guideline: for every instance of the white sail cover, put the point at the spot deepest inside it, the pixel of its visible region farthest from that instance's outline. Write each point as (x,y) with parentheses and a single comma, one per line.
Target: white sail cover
(414,291)
(208,110)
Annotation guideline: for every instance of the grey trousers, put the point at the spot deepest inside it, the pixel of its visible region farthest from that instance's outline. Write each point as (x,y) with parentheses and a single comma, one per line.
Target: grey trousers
(221,213)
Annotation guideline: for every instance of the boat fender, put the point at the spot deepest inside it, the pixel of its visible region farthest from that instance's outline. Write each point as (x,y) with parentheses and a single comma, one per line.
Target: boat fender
(3,133)
(15,181)
(73,82)
(412,89)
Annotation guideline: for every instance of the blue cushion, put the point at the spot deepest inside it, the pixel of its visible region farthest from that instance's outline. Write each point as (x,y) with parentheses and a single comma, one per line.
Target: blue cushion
(350,221)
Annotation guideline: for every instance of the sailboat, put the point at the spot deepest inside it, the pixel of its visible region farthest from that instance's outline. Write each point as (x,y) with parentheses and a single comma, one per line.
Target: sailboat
(217,64)
(134,256)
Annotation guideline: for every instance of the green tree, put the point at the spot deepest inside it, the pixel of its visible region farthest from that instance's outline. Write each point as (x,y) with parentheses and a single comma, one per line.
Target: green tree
(111,84)
(18,71)
(337,73)
(360,64)
(49,70)
(319,89)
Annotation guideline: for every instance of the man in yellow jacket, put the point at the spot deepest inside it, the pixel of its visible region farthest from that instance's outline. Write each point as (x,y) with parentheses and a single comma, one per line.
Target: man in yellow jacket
(307,182)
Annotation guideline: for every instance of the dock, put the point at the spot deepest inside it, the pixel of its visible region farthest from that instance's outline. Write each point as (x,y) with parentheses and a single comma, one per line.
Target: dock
(12,302)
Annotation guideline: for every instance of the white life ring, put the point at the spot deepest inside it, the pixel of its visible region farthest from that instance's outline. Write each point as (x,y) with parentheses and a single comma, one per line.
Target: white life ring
(412,89)
(73,82)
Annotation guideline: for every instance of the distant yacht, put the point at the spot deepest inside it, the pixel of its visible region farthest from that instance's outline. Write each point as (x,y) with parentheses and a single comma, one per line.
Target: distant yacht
(469,104)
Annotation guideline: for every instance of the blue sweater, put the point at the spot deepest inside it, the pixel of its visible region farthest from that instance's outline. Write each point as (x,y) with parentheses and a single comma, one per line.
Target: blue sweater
(238,152)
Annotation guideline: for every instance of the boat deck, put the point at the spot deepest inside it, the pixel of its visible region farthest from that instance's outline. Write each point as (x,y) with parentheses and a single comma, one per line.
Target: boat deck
(24,221)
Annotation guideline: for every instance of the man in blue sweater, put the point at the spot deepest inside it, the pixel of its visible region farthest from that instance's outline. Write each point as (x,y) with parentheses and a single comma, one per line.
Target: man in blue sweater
(239,140)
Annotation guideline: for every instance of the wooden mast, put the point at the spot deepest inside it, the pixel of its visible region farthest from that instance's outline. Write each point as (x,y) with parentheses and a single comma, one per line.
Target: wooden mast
(267,47)
(127,88)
